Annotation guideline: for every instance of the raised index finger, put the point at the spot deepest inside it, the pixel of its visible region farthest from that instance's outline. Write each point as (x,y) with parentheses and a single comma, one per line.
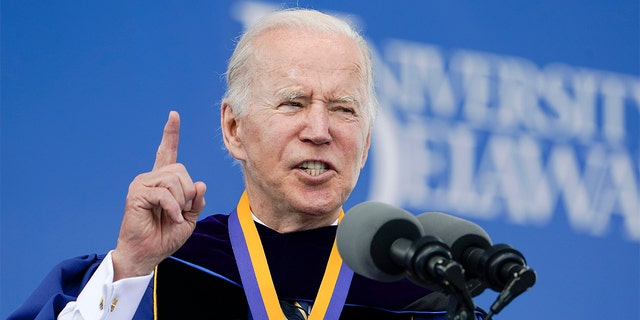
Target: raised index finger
(168,148)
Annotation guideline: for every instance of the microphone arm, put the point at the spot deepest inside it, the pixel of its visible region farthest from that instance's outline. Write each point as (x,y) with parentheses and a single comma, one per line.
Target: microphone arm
(507,269)
(428,262)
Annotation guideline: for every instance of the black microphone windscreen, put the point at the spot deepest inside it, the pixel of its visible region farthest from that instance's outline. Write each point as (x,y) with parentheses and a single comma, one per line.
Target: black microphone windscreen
(459,234)
(365,235)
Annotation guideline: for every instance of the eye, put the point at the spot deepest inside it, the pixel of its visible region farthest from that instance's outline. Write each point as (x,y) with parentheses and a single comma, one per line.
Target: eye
(290,106)
(347,110)
(344,109)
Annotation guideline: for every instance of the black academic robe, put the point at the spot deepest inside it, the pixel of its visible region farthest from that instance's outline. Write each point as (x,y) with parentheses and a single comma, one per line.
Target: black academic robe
(201,280)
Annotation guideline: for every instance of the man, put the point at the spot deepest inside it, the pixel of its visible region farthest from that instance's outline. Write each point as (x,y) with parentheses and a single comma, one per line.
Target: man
(297,116)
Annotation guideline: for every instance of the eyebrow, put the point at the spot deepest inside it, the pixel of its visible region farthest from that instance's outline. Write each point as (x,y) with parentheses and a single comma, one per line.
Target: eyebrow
(297,94)
(345,99)
(290,94)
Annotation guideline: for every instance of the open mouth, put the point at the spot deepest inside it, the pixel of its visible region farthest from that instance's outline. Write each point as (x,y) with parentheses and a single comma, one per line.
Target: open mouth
(314,168)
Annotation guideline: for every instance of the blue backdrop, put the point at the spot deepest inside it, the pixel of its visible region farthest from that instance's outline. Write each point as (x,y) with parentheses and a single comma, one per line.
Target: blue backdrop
(520,116)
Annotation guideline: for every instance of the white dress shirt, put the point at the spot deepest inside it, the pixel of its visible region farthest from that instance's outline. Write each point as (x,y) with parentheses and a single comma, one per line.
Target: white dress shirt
(101,298)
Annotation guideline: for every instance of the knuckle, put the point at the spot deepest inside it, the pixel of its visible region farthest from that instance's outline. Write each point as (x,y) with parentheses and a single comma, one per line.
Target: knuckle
(178,167)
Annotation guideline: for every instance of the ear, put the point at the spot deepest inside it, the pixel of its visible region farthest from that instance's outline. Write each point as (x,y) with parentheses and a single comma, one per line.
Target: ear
(230,126)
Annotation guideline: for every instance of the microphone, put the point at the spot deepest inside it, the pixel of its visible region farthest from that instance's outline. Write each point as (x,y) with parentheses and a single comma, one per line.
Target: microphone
(385,243)
(467,242)
(500,267)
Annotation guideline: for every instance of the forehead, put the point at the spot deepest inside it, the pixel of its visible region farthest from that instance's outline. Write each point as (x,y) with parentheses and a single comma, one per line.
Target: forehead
(309,56)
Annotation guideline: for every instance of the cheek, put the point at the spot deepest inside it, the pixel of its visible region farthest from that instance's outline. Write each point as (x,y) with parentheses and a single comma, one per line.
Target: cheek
(356,148)
(363,147)
(251,139)
(264,139)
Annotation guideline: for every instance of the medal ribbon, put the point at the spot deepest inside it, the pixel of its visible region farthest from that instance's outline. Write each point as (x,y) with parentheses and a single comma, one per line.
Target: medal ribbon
(256,278)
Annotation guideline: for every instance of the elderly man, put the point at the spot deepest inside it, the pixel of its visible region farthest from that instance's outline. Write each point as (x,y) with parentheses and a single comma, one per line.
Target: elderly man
(297,116)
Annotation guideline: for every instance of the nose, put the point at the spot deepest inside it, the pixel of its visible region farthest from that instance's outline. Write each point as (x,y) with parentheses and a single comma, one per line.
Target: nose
(316,128)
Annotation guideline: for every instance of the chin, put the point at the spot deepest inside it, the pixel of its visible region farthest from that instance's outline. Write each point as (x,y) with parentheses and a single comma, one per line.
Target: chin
(318,204)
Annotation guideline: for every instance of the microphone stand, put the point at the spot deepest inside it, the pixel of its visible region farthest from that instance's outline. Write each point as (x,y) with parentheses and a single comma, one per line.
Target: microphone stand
(461,306)
(429,263)
(506,267)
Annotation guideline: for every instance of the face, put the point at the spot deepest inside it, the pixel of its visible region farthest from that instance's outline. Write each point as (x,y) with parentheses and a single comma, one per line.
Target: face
(305,136)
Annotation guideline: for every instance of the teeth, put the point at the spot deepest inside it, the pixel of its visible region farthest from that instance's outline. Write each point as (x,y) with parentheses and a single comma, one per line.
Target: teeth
(314,168)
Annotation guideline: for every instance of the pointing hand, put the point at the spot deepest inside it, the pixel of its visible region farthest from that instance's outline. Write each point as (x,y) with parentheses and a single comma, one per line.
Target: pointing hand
(161,210)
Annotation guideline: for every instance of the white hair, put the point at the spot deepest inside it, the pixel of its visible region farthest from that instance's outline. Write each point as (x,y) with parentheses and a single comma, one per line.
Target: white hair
(238,71)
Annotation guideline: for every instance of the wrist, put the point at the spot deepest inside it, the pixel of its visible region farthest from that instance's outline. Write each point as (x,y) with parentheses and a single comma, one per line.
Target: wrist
(124,267)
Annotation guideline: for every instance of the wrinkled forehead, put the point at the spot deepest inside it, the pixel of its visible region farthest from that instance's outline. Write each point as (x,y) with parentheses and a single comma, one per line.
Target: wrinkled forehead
(309,59)
(325,51)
